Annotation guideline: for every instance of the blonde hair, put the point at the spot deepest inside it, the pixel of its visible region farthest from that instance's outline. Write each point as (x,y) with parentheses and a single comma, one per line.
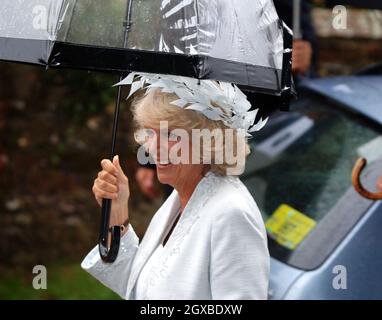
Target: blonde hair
(150,108)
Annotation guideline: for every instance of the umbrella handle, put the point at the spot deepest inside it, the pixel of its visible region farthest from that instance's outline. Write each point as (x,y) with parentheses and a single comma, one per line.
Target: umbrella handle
(108,254)
(356,173)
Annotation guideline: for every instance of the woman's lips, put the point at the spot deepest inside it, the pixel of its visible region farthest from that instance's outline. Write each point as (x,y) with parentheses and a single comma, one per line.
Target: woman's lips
(163,165)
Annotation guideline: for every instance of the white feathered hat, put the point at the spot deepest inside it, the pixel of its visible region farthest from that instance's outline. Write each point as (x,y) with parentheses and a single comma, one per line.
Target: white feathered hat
(216,100)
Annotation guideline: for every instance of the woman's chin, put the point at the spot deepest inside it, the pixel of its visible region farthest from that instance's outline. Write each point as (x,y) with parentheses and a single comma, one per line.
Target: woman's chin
(165,173)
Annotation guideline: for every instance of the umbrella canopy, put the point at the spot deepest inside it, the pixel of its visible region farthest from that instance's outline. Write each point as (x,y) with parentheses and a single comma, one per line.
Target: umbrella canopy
(238,41)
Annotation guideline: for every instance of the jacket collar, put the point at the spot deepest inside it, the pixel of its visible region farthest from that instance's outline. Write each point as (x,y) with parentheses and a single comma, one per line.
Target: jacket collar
(165,214)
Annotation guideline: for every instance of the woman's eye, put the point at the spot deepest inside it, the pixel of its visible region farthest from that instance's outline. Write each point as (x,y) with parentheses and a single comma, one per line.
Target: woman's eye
(173,136)
(143,135)
(149,133)
(140,136)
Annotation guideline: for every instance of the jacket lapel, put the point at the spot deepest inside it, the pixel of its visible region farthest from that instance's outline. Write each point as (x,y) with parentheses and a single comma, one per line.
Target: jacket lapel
(152,237)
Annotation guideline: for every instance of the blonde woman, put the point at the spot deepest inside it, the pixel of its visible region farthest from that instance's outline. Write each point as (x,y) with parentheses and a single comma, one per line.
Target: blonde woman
(207,240)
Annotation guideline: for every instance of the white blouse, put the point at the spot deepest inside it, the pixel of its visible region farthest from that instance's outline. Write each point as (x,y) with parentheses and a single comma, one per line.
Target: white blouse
(217,250)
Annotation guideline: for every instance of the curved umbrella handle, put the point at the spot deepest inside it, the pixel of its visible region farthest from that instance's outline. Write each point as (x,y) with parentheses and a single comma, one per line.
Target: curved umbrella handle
(356,173)
(108,254)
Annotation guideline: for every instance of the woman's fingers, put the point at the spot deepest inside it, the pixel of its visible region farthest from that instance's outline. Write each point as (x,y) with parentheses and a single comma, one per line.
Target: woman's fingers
(106,186)
(108,177)
(116,163)
(111,183)
(99,193)
(109,167)
(121,174)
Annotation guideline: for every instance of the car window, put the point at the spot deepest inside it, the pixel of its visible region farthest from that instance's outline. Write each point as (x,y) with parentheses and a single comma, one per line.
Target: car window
(301,164)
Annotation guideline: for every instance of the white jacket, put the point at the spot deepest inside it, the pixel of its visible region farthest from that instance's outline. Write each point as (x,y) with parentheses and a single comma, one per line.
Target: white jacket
(218,249)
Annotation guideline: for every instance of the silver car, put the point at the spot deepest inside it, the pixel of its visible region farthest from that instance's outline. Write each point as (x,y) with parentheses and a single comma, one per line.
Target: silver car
(325,239)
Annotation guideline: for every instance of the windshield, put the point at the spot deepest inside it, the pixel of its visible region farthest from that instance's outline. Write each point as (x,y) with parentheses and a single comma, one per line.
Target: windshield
(301,165)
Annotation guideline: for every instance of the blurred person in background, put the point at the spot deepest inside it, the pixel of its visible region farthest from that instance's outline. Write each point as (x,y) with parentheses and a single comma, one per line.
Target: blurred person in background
(304,54)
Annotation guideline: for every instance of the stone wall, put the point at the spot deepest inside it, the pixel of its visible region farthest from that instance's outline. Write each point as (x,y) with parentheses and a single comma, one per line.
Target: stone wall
(345,51)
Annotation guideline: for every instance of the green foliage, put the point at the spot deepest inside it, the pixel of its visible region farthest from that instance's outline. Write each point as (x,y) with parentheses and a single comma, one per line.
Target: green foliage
(64,281)
(84,93)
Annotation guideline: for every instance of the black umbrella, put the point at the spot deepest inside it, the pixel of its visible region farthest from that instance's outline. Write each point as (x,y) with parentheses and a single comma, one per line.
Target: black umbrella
(238,41)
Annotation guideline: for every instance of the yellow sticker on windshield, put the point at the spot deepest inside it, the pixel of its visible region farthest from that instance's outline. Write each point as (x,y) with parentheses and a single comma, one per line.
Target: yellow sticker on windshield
(289,226)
